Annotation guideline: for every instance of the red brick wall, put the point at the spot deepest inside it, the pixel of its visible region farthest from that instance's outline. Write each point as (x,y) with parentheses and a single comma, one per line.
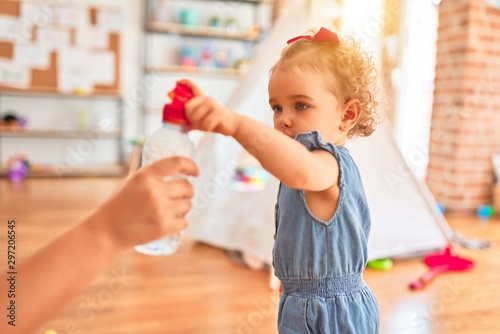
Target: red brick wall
(465,127)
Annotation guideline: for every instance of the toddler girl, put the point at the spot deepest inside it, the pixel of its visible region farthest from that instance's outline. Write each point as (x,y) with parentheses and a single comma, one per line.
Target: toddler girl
(321,92)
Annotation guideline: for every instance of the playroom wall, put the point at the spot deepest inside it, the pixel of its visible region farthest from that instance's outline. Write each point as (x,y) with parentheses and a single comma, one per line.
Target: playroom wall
(58,113)
(39,111)
(465,129)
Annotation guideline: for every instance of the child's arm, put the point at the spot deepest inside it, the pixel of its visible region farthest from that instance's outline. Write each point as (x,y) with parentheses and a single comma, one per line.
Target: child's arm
(282,156)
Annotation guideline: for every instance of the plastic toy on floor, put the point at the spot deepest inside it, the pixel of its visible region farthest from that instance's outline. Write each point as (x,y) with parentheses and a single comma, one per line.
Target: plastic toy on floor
(486,211)
(380,264)
(250,179)
(249,175)
(440,263)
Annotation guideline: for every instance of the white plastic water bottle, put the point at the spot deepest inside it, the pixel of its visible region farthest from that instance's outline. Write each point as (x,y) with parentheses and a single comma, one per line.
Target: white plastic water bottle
(171,139)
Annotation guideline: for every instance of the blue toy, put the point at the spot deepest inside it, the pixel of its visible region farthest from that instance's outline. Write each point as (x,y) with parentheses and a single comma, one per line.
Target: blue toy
(486,211)
(441,208)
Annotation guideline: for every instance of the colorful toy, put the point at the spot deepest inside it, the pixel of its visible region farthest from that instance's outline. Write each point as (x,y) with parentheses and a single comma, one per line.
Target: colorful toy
(440,263)
(81,90)
(189,56)
(12,122)
(250,179)
(18,167)
(189,16)
(486,211)
(139,141)
(215,22)
(380,264)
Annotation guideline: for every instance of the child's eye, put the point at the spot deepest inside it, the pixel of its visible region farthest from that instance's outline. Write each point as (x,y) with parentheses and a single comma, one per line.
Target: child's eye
(276,109)
(301,106)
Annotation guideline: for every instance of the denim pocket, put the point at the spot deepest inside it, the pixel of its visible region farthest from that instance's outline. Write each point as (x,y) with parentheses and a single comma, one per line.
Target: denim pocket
(292,316)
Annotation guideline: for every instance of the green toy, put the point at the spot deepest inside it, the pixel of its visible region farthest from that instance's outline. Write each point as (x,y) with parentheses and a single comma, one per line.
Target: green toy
(380,264)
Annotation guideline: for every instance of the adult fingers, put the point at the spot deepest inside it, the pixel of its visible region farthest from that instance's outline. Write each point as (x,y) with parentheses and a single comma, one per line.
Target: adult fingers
(178,189)
(174,165)
(181,209)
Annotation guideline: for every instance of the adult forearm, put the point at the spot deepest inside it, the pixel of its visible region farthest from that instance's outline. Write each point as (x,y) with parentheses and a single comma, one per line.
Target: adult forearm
(52,276)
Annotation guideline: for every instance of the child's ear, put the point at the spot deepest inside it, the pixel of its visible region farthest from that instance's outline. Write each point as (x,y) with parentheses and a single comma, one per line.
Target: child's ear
(350,114)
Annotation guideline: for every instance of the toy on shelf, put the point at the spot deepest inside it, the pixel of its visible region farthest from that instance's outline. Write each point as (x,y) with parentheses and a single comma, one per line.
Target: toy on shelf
(18,167)
(12,122)
(486,211)
(207,55)
(190,17)
(81,90)
(440,263)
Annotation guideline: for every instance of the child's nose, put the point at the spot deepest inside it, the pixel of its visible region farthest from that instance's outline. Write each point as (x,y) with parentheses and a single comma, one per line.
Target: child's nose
(284,120)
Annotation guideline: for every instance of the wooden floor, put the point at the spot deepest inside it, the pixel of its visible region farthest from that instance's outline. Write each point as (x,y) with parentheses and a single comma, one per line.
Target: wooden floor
(201,290)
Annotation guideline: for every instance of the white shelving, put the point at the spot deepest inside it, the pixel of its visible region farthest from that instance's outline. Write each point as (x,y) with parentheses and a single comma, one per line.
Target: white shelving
(215,55)
(204,31)
(55,145)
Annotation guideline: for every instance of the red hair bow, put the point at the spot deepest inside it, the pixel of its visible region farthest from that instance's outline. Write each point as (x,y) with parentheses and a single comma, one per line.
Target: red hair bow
(323,35)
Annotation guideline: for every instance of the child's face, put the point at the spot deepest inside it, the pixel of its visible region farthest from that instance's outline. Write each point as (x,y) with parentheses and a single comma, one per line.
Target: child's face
(302,101)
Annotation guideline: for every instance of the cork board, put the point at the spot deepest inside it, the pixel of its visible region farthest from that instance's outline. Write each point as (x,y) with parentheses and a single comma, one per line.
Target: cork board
(54,76)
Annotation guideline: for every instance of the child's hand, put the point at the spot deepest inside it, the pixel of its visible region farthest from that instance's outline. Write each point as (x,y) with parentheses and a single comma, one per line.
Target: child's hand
(206,114)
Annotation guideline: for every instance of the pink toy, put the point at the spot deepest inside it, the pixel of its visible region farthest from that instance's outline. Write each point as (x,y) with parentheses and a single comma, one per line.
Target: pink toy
(440,263)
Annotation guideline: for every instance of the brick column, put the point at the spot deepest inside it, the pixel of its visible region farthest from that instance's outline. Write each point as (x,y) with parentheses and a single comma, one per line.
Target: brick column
(465,127)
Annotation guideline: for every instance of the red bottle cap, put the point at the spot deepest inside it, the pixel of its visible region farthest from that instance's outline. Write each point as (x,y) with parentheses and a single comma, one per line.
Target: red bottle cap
(174,111)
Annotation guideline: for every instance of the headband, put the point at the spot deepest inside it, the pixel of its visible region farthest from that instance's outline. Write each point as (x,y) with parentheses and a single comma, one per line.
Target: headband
(323,35)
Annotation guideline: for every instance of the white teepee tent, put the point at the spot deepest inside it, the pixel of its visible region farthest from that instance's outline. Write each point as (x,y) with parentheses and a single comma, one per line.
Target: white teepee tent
(405,218)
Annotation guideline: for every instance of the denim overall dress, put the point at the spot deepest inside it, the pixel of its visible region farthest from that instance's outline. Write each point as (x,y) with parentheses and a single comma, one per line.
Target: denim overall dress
(320,263)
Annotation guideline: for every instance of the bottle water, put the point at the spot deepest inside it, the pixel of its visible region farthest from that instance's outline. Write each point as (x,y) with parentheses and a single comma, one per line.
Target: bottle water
(171,139)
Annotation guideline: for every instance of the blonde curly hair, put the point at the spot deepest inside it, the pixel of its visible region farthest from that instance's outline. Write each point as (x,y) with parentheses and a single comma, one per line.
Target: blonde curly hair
(354,74)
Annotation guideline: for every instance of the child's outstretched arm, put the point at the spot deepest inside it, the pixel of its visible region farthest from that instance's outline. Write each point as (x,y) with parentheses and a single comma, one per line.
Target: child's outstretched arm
(282,156)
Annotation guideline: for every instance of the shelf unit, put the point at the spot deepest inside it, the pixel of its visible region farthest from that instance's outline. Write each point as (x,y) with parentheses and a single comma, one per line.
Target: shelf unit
(230,73)
(169,30)
(54,133)
(203,31)
(58,168)
(68,134)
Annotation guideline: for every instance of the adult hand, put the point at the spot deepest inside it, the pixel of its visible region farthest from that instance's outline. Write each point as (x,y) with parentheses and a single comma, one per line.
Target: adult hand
(148,205)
